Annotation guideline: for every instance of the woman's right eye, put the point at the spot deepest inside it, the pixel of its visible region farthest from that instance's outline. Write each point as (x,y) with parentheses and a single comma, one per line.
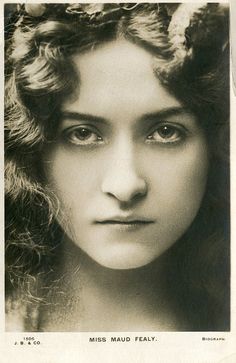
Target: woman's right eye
(82,135)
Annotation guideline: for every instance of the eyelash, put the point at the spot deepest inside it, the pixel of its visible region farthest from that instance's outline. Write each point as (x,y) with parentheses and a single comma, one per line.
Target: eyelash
(177,134)
(171,134)
(70,135)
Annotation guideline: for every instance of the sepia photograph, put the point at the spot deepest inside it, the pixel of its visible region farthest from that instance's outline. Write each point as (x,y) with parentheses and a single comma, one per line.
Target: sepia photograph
(117,167)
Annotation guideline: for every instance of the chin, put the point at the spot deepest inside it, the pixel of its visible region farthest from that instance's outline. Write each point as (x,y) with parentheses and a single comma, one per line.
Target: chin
(123,265)
(121,262)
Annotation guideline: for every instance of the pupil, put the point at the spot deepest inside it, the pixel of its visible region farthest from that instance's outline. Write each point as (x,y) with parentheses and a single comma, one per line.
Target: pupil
(166,131)
(83,133)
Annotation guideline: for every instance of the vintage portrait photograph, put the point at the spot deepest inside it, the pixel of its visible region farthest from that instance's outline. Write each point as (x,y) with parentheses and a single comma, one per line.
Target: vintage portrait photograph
(117,173)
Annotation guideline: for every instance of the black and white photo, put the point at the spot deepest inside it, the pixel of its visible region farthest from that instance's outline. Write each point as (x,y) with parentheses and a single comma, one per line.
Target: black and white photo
(117,210)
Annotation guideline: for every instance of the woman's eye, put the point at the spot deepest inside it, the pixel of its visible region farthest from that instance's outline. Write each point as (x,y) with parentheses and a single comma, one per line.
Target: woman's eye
(82,135)
(167,134)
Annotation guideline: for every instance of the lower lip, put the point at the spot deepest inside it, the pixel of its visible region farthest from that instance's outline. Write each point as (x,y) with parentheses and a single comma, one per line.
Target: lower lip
(125,227)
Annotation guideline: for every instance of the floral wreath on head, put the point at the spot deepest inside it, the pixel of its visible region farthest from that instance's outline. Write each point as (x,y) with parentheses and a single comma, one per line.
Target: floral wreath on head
(179,18)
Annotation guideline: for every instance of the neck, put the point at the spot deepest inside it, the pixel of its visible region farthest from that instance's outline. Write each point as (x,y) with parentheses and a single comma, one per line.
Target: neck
(103,299)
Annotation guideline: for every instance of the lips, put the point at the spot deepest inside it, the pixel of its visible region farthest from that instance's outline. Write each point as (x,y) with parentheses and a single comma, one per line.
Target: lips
(125,219)
(125,223)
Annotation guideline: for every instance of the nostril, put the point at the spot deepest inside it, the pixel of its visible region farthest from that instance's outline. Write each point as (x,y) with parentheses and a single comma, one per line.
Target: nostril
(134,200)
(125,189)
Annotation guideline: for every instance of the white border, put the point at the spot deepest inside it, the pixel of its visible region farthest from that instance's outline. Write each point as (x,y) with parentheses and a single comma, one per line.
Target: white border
(177,347)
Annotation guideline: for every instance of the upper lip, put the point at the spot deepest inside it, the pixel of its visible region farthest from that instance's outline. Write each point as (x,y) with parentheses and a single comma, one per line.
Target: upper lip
(124,219)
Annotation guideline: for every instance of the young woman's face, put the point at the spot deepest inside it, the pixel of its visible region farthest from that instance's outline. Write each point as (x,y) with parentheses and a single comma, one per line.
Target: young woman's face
(129,165)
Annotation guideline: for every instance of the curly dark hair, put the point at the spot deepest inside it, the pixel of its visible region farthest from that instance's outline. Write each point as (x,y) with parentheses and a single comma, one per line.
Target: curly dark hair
(39,74)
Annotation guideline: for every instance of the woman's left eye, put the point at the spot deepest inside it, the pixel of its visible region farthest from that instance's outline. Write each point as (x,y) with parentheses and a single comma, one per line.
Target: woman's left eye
(82,135)
(167,134)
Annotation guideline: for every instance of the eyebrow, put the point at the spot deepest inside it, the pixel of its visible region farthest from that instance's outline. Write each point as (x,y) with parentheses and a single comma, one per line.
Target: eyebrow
(166,112)
(81,116)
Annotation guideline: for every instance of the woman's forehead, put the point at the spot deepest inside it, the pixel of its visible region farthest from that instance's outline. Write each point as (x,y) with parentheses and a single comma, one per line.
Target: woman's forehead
(118,75)
(117,54)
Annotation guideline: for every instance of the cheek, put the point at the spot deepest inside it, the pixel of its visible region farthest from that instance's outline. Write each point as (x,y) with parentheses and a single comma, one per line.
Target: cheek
(70,174)
(74,181)
(179,181)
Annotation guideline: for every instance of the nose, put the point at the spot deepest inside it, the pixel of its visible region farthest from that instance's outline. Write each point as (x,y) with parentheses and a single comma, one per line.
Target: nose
(122,180)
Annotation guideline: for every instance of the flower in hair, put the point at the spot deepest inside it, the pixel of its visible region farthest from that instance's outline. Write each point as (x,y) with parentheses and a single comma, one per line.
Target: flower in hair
(93,14)
(89,9)
(35,10)
(98,12)
(179,23)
